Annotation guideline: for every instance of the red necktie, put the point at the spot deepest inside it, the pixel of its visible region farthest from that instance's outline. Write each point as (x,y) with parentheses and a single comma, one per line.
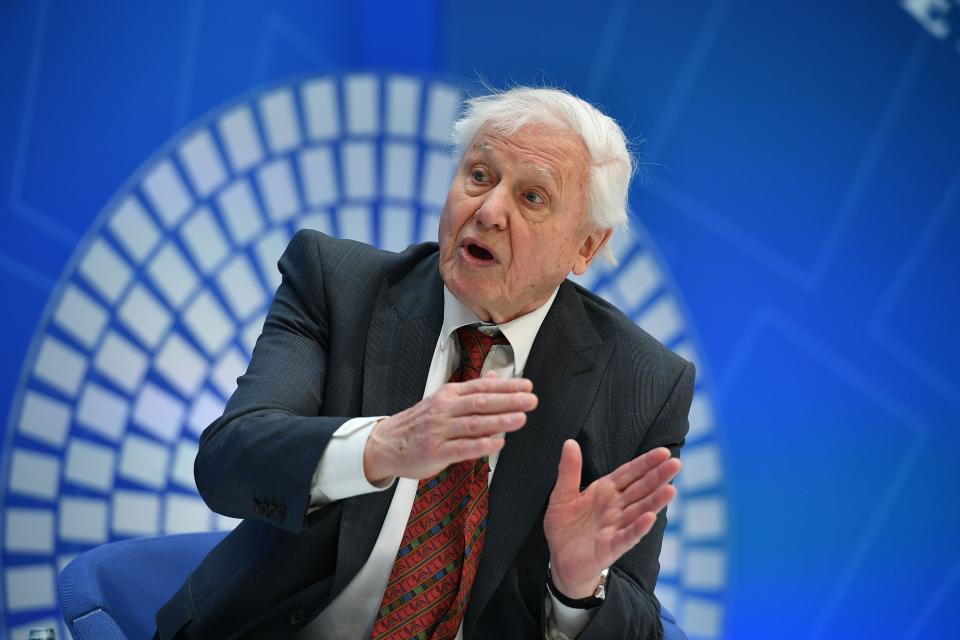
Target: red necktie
(430,582)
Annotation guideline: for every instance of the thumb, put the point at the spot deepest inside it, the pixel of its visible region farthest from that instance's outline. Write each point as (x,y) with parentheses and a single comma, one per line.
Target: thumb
(568,473)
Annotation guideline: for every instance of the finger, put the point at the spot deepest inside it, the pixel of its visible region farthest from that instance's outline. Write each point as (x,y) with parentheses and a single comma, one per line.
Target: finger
(492,384)
(624,475)
(657,500)
(469,448)
(661,474)
(477,426)
(492,403)
(627,537)
(568,473)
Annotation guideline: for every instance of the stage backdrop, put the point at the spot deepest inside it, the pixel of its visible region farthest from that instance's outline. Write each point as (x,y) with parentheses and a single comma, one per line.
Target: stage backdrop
(794,232)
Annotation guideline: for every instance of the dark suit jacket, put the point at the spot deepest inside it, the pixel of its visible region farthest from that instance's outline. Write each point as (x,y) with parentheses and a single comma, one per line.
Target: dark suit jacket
(351,332)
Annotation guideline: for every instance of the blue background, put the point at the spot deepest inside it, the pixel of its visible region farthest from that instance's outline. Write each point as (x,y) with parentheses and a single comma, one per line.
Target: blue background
(800,179)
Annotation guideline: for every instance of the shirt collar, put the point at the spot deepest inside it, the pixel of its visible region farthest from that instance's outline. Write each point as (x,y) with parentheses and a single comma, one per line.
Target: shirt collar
(521,332)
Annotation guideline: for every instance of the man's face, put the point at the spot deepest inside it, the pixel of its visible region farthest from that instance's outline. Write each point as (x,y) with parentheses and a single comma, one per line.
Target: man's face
(515,221)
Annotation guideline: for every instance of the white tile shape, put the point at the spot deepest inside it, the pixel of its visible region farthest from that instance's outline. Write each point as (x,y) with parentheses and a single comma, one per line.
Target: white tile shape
(362,100)
(268,251)
(279,116)
(396,227)
(44,419)
(611,295)
(102,411)
(704,518)
(240,287)
(166,193)
(429,223)
(321,109)
(688,352)
(159,412)
(33,474)
(206,408)
(181,365)
(204,240)
(399,167)
(318,221)
(319,176)
(60,366)
(702,618)
(225,523)
(662,320)
(135,230)
(83,520)
(638,280)
(30,587)
(185,514)
(240,212)
(701,467)
(182,470)
(675,508)
(145,316)
(202,162)
(81,316)
(403,105)
(143,461)
(173,275)
(668,595)
(700,416)
(442,104)
(103,268)
(208,323)
(251,332)
(359,170)
(28,531)
(224,375)
(437,173)
(279,190)
(670,555)
(121,362)
(89,465)
(240,139)
(704,569)
(356,222)
(135,513)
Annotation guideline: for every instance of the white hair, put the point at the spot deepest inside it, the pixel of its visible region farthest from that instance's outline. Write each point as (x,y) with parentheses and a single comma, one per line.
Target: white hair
(611,165)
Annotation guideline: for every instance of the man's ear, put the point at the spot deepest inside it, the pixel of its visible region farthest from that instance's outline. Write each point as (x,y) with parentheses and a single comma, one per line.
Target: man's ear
(588,251)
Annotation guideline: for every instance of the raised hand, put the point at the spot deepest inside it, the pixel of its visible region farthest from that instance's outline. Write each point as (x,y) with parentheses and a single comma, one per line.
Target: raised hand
(460,421)
(588,531)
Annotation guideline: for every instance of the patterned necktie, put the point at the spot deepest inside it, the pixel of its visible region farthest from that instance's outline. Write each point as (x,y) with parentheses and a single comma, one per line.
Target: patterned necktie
(430,582)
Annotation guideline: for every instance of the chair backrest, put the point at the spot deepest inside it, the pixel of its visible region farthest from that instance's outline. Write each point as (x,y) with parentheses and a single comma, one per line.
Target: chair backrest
(113,591)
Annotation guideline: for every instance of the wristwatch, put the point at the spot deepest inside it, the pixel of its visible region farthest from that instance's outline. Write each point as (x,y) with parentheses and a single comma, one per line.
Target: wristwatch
(580,603)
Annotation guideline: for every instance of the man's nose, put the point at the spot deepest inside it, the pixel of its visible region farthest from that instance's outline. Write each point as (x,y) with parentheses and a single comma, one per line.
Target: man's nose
(494,211)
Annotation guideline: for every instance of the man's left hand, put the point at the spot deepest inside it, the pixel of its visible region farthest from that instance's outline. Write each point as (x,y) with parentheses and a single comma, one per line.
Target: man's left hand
(588,531)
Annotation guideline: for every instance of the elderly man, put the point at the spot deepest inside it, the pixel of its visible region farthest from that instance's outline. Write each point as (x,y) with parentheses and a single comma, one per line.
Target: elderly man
(454,441)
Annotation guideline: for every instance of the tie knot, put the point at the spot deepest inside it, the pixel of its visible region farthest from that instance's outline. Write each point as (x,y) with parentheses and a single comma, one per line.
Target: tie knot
(474,347)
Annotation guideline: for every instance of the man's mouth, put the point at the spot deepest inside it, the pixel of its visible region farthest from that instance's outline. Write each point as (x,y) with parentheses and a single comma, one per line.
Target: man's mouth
(479,253)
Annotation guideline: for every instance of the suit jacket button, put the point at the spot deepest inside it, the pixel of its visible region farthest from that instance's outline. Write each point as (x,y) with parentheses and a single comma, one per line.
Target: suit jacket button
(295,617)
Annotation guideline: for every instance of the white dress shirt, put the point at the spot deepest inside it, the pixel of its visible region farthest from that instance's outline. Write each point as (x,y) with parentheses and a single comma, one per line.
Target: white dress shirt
(340,475)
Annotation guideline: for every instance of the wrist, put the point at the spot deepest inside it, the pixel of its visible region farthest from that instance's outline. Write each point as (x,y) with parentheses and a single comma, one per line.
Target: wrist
(584,595)
(373,466)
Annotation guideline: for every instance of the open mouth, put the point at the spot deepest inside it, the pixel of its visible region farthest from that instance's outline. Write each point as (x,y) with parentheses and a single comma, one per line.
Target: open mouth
(478,252)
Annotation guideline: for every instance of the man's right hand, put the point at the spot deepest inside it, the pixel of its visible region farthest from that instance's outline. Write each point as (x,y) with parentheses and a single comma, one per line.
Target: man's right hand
(460,421)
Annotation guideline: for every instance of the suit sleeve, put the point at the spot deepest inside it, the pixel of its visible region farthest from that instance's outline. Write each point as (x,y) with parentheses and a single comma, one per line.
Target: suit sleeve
(258,459)
(630,609)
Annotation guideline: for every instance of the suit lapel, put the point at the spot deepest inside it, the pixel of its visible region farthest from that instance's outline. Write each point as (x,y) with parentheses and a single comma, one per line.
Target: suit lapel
(566,365)
(403,332)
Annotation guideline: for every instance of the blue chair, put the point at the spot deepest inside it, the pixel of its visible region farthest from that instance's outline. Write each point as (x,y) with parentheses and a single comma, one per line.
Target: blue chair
(112,592)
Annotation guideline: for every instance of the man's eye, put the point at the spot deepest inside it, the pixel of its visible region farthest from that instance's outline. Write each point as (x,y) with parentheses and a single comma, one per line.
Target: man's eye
(533,197)
(479,175)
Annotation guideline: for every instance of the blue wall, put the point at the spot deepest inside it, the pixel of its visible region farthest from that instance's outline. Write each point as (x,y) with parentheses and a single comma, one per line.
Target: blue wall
(800,182)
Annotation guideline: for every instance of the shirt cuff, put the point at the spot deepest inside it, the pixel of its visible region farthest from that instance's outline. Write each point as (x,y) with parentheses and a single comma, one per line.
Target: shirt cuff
(563,622)
(339,473)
